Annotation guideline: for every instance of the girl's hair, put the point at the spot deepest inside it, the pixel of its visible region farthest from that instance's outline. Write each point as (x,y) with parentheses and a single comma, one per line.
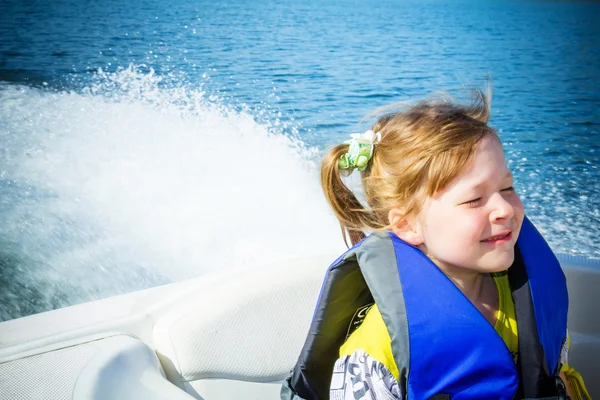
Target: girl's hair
(422,149)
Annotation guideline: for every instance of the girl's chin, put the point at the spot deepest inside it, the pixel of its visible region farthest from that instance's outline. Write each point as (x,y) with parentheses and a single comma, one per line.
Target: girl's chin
(501,262)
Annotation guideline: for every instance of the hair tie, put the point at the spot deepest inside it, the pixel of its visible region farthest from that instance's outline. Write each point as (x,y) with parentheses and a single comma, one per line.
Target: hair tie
(360,151)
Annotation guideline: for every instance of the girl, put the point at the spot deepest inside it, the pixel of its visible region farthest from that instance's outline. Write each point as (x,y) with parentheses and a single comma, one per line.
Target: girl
(455,295)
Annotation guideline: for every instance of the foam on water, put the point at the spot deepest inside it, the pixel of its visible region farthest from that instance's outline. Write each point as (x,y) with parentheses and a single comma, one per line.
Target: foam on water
(131,182)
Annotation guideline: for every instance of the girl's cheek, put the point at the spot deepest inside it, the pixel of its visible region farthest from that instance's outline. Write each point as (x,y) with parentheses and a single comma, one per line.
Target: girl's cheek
(515,201)
(517,206)
(475,225)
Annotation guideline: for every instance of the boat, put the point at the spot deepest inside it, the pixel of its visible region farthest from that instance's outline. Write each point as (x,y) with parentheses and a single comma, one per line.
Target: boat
(233,334)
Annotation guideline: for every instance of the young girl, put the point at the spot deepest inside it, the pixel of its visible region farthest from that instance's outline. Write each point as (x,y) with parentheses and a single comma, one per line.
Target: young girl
(455,295)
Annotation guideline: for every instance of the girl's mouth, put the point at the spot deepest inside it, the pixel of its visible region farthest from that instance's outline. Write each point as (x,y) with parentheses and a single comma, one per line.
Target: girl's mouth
(502,238)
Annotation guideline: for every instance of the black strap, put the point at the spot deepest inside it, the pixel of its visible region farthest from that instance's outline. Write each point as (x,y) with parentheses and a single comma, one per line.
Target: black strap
(548,398)
(536,382)
(531,363)
(559,388)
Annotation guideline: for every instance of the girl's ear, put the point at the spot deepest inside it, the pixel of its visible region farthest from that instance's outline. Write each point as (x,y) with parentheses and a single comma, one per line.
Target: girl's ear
(406,229)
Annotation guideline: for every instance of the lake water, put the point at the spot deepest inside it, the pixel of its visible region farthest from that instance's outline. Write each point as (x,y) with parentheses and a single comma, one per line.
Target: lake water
(147,142)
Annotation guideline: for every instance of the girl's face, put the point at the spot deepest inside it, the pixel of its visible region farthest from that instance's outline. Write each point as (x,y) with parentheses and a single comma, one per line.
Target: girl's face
(474,223)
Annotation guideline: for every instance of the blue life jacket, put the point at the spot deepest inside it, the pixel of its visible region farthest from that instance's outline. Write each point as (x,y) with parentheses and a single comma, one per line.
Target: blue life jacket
(443,346)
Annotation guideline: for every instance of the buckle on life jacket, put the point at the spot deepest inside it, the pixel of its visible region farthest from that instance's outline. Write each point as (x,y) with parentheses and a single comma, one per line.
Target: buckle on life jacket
(561,389)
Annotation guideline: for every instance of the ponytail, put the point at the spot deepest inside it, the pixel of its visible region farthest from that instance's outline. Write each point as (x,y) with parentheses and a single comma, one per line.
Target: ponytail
(350,212)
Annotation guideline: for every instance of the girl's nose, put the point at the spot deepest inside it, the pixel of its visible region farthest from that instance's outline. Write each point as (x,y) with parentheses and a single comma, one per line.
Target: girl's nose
(501,207)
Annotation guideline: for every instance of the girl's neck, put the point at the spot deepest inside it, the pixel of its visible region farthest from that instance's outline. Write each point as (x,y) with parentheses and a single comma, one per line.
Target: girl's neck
(474,285)
(471,283)
(478,287)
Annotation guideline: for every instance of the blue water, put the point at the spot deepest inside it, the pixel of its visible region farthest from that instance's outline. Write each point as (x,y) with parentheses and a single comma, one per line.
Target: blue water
(146,142)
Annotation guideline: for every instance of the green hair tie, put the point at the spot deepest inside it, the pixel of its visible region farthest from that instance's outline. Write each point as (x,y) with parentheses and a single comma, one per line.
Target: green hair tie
(360,151)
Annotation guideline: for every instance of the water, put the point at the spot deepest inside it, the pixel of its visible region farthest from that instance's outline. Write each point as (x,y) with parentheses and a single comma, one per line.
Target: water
(147,142)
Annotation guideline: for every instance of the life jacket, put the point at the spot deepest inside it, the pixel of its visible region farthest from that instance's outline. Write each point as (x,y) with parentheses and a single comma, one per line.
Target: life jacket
(443,346)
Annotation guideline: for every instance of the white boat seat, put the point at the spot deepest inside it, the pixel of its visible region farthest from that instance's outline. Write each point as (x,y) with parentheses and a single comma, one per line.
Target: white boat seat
(240,337)
(117,366)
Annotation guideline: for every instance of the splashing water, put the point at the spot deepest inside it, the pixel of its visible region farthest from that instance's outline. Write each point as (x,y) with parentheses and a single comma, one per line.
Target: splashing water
(132,182)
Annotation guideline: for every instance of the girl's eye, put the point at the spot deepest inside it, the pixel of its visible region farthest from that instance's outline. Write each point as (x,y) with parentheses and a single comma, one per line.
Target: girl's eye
(509,189)
(473,202)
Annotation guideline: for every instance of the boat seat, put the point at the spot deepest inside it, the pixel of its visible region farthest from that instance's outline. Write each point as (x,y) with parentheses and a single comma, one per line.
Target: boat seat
(244,346)
(583,281)
(111,366)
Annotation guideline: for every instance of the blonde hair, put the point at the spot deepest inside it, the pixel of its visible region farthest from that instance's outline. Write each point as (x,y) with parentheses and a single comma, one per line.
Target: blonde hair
(422,149)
